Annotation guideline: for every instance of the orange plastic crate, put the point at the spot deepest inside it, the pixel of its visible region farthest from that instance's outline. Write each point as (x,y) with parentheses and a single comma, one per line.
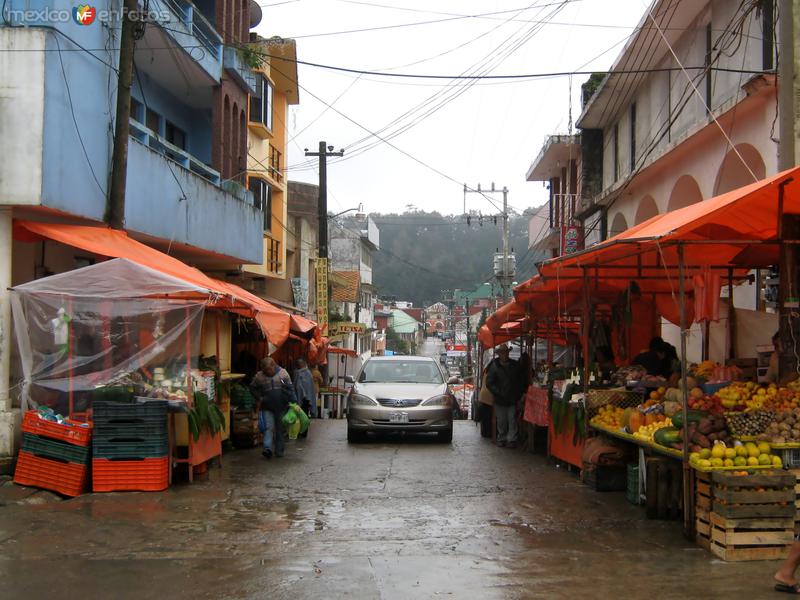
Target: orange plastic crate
(144,475)
(76,434)
(66,478)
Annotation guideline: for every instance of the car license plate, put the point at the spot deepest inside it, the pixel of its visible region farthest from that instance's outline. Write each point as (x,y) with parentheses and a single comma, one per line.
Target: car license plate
(398,418)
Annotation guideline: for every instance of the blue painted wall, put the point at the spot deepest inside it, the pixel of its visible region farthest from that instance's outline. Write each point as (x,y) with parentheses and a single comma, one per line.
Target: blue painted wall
(77,150)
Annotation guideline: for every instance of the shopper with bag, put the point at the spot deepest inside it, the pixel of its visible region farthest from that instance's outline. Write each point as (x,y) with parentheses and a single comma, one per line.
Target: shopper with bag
(505,382)
(272,388)
(485,407)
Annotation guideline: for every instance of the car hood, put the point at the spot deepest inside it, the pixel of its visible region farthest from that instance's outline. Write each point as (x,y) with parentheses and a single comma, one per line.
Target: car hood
(400,391)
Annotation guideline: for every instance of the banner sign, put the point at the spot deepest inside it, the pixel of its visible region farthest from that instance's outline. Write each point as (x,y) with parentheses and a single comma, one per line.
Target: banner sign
(571,239)
(322,294)
(300,293)
(343,327)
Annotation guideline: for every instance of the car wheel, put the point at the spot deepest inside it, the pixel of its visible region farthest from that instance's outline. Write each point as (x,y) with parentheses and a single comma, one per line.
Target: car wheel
(354,436)
(446,436)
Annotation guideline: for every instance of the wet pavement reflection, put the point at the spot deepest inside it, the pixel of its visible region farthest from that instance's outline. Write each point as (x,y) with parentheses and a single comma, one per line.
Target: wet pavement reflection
(397,517)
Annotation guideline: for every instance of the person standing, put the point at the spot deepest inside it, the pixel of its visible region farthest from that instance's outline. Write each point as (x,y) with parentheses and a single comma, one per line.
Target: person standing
(505,383)
(272,388)
(304,388)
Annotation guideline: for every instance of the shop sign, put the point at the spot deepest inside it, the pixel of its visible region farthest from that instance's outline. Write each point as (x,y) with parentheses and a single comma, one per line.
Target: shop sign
(322,294)
(345,327)
(571,239)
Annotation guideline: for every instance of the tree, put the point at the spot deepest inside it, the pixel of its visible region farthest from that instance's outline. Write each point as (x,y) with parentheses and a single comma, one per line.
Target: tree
(395,343)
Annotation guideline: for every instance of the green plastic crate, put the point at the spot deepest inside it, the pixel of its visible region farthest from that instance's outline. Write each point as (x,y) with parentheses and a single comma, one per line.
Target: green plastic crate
(55,449)
(632,490)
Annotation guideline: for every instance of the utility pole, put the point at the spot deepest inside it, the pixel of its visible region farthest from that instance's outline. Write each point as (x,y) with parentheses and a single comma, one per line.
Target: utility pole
(788,225)
(469,340)
(505,274)
(131,31)
(322,232)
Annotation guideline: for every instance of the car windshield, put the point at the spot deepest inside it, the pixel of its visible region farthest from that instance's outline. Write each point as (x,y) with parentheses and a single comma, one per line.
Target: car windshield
(400,371)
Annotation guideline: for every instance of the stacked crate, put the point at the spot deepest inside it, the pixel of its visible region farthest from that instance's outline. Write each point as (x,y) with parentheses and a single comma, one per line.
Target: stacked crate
(54,456)
(131,447)
(745,517)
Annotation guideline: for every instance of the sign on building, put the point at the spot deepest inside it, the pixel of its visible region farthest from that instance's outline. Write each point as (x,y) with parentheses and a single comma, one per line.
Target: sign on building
(344,327)
(300,293)
(571,239)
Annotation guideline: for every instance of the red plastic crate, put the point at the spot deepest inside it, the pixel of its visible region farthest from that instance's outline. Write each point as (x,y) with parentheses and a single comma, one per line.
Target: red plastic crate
(66,478)
(76,433)
(143,475)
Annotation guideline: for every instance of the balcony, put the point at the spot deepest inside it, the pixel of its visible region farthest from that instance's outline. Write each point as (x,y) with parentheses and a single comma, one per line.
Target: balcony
(181,22)
(233,62)
(173,196)
(275,164)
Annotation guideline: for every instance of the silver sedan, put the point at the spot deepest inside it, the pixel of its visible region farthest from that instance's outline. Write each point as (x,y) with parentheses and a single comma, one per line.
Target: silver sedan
(400,393)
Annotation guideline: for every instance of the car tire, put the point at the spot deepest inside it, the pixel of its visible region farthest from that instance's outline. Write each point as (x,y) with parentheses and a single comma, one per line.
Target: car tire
(354,436)
(446,436)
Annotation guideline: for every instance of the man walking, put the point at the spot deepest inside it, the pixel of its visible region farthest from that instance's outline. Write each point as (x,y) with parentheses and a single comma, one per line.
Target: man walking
(272,388)
(503,380)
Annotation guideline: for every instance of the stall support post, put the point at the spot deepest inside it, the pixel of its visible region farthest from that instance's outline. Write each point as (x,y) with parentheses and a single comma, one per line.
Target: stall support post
(71,383)
(788,289)
(586,318)
(732,314)
(688,506)
(6,416)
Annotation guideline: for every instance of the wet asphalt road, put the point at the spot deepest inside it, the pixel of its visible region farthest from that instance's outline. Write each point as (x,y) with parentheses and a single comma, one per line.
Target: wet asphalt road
(394,518)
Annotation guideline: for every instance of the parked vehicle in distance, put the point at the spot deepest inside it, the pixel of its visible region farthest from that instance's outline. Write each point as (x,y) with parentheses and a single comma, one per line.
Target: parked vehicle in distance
(400,393)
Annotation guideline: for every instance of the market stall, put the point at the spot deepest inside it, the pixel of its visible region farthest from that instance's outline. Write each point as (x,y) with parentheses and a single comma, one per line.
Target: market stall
(674,267)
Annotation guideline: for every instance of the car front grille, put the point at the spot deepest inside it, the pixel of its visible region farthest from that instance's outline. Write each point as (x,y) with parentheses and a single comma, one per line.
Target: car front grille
(411,422)
(399,403)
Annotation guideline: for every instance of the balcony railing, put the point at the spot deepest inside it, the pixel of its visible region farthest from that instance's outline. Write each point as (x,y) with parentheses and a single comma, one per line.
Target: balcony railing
(273,255)
(234,64)
(181,157)
(194,24)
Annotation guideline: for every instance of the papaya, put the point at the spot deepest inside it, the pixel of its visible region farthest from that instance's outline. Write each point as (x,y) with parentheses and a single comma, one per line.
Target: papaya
(666,436)
(694,417)
(637,419)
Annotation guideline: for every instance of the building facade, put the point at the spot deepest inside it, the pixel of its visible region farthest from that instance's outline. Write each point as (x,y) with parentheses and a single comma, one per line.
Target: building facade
(186,152)
(352,243)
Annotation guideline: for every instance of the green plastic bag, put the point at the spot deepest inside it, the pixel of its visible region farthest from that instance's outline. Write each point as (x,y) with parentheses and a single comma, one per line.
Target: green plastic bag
(302,418)
(294,429)
(289,417)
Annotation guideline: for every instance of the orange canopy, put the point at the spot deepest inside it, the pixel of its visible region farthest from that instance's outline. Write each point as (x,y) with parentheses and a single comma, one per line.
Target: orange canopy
(113,243)
(345,351)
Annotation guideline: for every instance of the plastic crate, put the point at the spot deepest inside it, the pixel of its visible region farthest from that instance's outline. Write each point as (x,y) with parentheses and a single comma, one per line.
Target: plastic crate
(790,457)
(73,432)
(605,478)
(152,412)
(632,489)
(145,475)
(66,478)
(119,448)
(145,431)
(712,388)
(56,449)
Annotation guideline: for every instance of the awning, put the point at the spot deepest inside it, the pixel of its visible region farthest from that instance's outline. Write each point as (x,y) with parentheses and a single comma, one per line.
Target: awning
(344,286)
(345,351)
(113,243)
(302,325)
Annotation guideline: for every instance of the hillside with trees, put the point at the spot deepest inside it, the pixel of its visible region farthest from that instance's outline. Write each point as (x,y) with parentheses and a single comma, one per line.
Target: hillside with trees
(424,254)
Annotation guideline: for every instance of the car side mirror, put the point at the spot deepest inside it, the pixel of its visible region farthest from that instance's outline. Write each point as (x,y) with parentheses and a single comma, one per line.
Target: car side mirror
(452,380)
(349,379)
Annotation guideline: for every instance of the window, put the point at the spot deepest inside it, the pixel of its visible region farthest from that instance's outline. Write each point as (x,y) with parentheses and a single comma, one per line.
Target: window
(275,163)
(153,121)
(136,110)
(633,137)
(262,199)
(175,135)
(261,103)
(273,255)
(366,257)
(615,154)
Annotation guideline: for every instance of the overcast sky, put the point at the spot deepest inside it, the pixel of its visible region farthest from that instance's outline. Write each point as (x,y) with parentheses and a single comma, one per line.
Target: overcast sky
(474,132)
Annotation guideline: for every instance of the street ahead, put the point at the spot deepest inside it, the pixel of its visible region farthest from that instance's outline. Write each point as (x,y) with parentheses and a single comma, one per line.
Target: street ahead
(391,519)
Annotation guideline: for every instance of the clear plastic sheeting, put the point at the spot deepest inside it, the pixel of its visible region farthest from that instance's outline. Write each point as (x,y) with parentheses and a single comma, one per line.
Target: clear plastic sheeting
(112,328)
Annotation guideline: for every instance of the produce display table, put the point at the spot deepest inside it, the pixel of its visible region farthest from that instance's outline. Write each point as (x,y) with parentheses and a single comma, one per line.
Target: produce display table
(568,444)
(627,437)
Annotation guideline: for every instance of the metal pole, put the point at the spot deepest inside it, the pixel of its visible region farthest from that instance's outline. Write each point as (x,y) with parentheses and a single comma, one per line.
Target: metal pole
(688,507)
(323,201)
(506,283)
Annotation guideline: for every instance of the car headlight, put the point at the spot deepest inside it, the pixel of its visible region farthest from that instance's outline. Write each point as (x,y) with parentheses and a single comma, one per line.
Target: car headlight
(443,400)
(360,400)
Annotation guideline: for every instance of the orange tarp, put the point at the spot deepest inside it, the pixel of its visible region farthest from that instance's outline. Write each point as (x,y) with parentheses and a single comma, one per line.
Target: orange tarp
(113,243)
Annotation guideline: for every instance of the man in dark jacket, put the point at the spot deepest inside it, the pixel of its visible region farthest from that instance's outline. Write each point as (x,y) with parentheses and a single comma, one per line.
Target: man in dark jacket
(272,388)
(504,380)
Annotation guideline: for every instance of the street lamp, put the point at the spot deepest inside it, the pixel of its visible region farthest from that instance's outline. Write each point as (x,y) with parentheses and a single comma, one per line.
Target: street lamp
(360,216)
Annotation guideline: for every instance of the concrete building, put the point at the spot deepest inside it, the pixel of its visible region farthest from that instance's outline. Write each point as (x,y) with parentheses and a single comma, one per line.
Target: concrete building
(352,243)
(407,328)
(187,149)
(276,89)
(698,124)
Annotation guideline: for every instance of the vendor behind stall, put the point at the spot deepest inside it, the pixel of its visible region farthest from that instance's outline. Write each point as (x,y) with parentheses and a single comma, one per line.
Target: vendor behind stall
(653,359)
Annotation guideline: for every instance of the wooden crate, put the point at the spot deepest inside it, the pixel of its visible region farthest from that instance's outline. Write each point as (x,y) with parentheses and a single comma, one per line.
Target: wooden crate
(702,486)
(753,496)
(703,528)
(750,539)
